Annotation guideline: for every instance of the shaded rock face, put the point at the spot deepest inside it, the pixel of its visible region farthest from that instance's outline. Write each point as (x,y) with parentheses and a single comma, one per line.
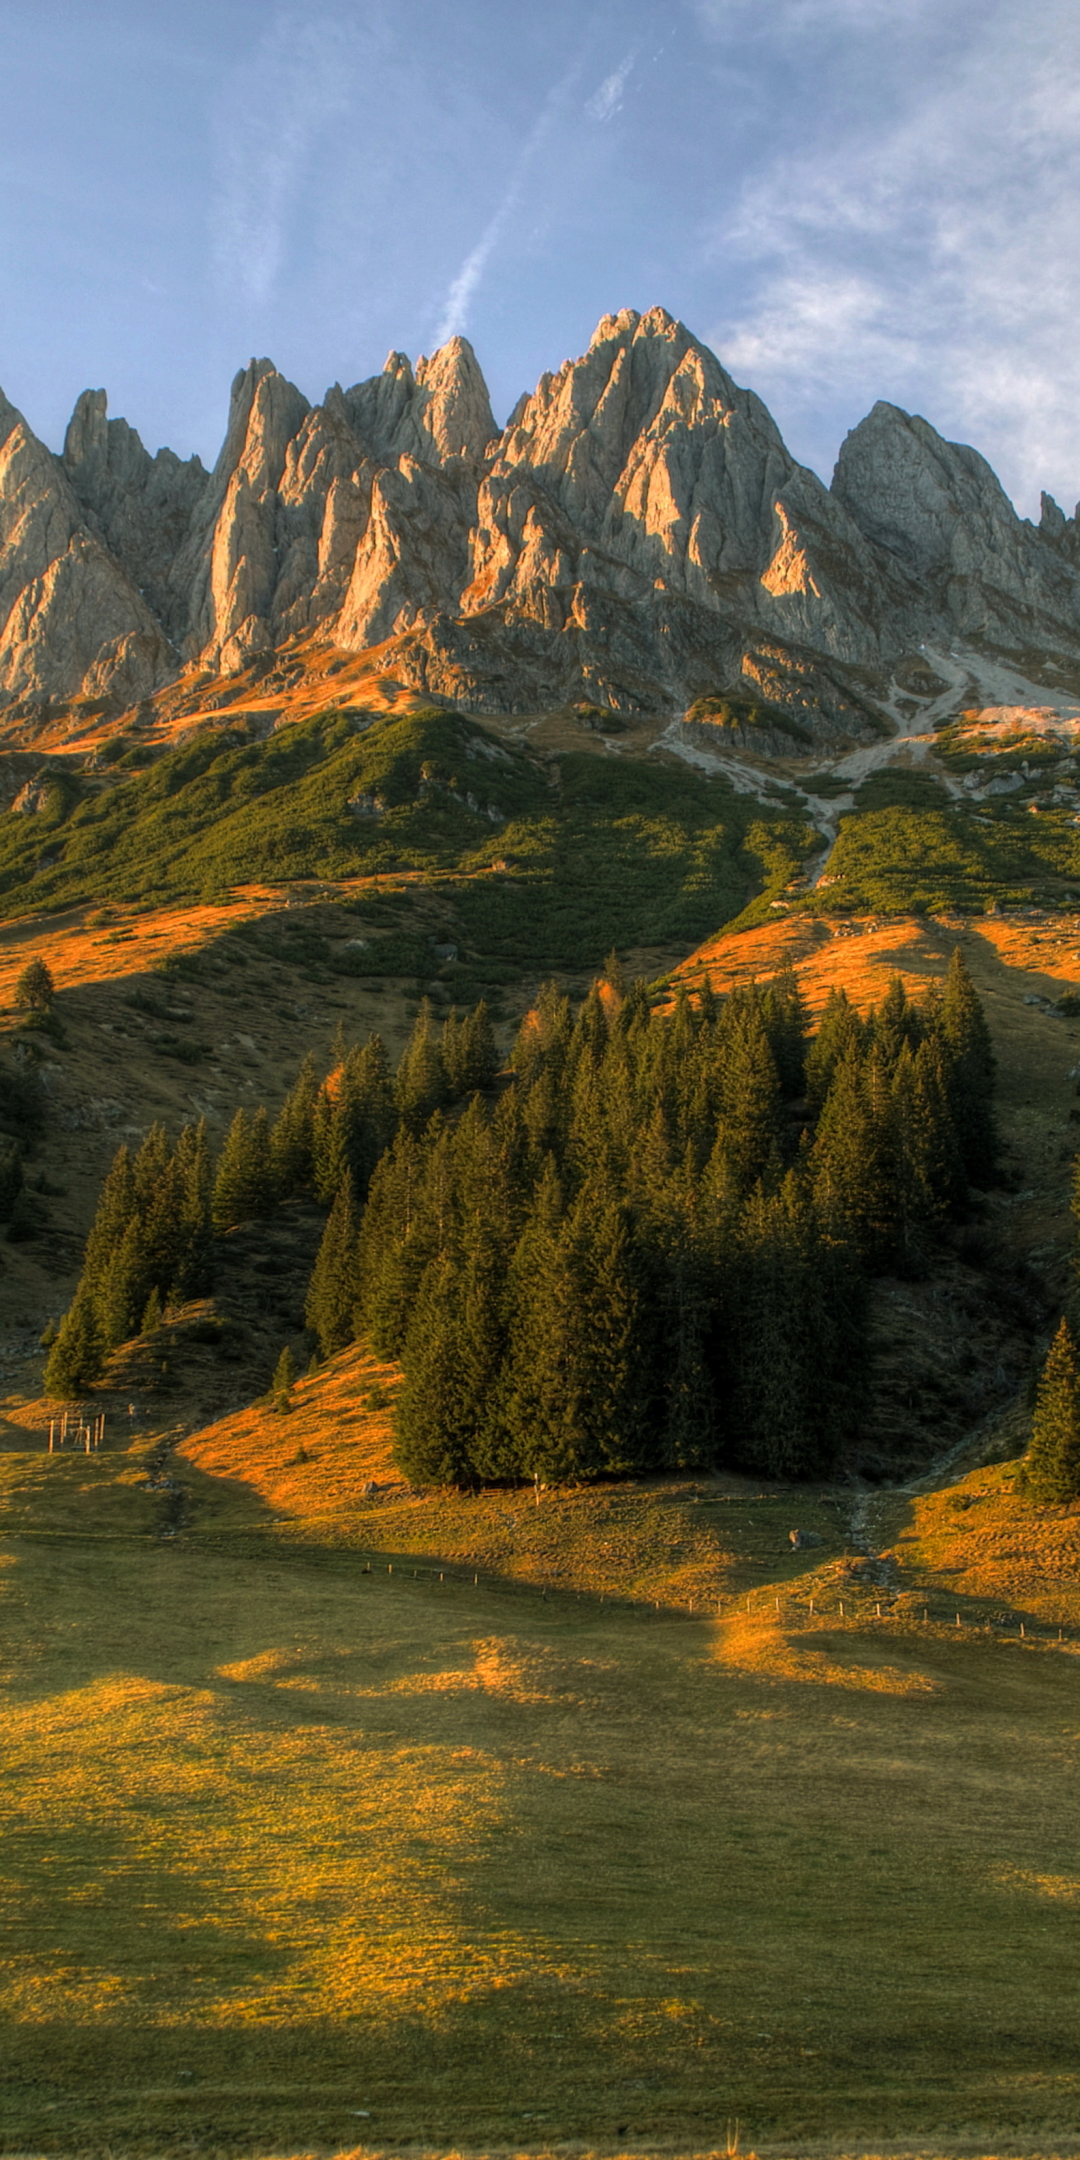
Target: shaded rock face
(940,513)
(638,535)
(138,506)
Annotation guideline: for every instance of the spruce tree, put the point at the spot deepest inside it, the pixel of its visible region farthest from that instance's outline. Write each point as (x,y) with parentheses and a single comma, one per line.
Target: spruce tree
(332,1297)
(292,1135)
(1052,1462)
(846,1165)
(840,1031)
(35,988)
(116,1208)
(281,1386)
(451,1360)
(967,1040)
(121,1296)
(193,1273)
(421,1086)
(784,1014)
(751,1121)
(469,1050)
(242,1185)
(153,1313)
(77,1357)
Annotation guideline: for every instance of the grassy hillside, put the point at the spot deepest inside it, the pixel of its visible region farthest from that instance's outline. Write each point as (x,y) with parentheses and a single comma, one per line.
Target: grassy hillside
(594,851)
(340,1816)
(305,1854)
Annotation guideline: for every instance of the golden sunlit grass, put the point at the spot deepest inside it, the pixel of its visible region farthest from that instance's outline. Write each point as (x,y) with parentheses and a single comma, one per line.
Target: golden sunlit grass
(678,1542)
(294,1851)
(304,1855)
(995,1550)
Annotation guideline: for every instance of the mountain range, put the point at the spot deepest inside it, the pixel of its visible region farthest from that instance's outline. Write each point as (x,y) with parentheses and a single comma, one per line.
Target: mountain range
(637,536)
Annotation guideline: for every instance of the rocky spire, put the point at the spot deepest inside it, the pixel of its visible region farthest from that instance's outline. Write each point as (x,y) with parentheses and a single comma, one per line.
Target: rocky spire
(71,621)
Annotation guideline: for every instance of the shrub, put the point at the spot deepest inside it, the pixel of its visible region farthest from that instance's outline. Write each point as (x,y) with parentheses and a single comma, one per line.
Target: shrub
(35,988)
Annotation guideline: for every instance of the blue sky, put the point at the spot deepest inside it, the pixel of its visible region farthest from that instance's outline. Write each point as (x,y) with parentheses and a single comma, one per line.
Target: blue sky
(848,199)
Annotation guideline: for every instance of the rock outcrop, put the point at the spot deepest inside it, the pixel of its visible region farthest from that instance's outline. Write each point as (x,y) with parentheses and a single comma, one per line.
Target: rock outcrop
(938,510)
(638,535)
(71,621)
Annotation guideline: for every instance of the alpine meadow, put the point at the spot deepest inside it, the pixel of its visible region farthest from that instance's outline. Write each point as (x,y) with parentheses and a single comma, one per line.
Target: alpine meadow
(539,1319)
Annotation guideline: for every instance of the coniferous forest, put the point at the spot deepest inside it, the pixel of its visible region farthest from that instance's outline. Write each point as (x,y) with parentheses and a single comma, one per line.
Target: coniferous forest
(644,1246)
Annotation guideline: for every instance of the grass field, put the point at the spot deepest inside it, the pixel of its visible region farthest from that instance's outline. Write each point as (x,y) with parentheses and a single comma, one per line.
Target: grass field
(301,1854)
(338,1819)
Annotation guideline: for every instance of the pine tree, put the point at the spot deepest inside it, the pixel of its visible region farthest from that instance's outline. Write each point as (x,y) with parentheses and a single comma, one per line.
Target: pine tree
(451,1360)
(799,1326)
(153,1313)
(751,1120)
(121,1297)
(1052,1462)
(470,1053)
(77,1357)
(35,988)
(281,1386)
(971,1087)
(784,1014)
(574,1399)
(391,1255)
(421,1086)
(242,1186)
(685,1303)
(292,1135)
(332,1297)
(193,1271)
(480,1053)
(543,1039)
(846,1165)
(116,1208)
(840,1031)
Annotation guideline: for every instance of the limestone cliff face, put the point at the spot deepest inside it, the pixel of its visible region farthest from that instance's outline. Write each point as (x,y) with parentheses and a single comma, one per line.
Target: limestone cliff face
(940,513)
(638,534)
(639,499)
(139,506)
(71,621)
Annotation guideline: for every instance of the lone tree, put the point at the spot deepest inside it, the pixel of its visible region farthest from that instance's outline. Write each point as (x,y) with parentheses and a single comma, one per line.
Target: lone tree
(1052,1463)
(35,989)
(281,1386)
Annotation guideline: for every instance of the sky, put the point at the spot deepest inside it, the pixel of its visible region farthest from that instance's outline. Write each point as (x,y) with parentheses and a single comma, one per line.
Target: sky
(847,199)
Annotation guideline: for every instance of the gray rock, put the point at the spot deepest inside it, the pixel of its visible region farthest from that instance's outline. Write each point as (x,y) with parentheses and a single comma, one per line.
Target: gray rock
(638,536)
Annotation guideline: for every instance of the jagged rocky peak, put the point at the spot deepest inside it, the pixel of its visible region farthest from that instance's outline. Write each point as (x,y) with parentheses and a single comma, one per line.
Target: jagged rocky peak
(228,568)
(934,502)
(441,411)
(71,621)
(140,506)
(646,454)
(939,509)
(638,534)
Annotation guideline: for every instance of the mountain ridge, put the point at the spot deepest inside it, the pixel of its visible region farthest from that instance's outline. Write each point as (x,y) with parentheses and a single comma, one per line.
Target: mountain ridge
(637,535)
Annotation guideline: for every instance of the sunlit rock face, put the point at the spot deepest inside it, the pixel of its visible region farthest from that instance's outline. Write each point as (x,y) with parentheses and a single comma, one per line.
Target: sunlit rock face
(638,534)
(71,621)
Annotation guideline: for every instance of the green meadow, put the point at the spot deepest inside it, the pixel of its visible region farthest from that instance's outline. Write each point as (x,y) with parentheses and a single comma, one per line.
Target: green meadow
(302,1855)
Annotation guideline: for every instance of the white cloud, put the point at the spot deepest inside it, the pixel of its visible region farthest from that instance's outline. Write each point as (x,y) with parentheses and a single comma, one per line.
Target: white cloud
(927,251)
(455,311)
(605,102)
(274,109)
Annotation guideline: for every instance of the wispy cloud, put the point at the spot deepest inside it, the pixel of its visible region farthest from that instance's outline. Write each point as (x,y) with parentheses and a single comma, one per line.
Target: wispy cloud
(274,110)
(605,102)
(927,251)
(455,312)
